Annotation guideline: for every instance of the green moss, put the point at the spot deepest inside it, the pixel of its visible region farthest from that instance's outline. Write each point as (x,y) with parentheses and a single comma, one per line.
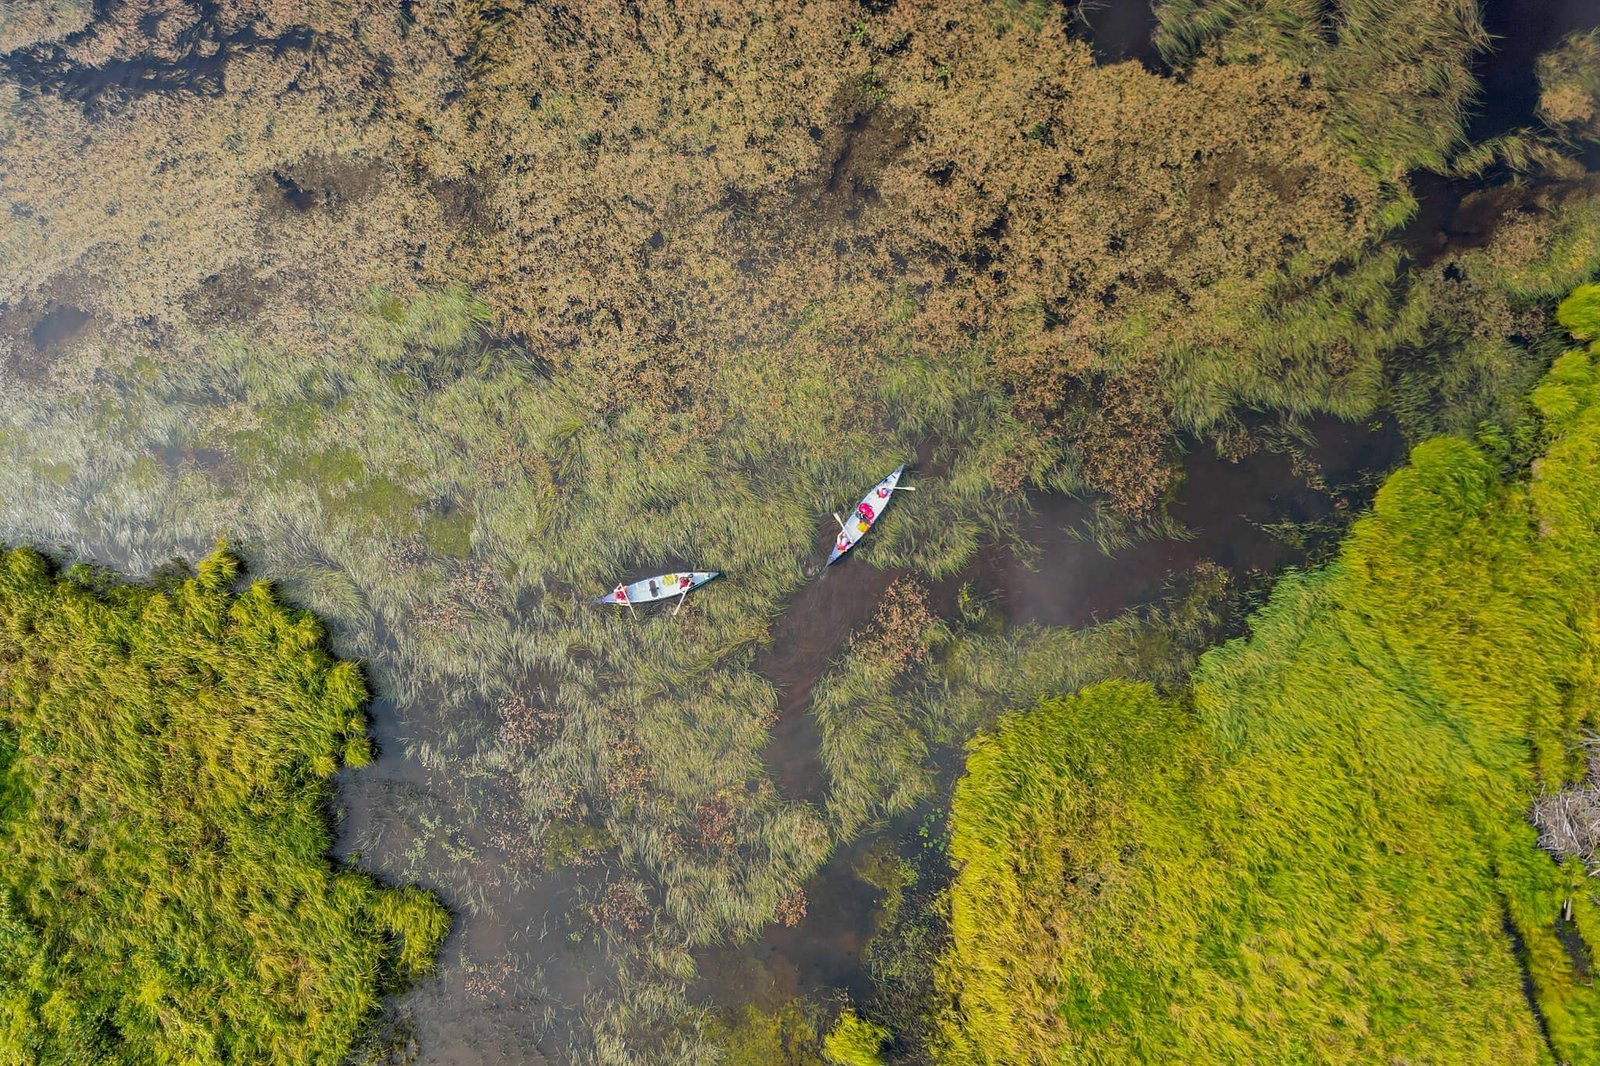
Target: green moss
(377,501)
(566,841)
(449,534)
(59,474)
(783,1036)
(1580,312)
(329,471)
(884,869)
(854,1041)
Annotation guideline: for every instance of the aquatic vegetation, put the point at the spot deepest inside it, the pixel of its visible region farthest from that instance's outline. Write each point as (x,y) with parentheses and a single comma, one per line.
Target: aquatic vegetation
(1480,333)
(854,1041)
(332,469)
(1104,260)
(1398,70)
(1569,86)
(1322,851)
(784,1036)
(165,759)
(27,22)
(511,303)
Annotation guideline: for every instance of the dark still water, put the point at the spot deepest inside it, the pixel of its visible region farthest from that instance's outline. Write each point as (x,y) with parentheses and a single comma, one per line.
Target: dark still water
(1521,30)
(1239,516)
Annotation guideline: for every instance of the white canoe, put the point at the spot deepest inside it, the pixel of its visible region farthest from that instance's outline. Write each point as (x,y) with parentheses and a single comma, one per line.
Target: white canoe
(660,587)
(867,513)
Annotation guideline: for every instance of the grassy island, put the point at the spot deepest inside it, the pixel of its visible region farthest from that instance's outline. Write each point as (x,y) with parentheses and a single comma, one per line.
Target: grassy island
(165,756)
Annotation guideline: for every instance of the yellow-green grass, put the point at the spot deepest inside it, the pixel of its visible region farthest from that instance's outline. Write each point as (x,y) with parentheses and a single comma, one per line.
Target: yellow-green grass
(165,762)
(1321,853)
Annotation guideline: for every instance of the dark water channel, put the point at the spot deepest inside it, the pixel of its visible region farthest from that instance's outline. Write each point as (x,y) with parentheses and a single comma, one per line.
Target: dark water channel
(1521,30)
(196,61)
(1116,30)
(1462,213)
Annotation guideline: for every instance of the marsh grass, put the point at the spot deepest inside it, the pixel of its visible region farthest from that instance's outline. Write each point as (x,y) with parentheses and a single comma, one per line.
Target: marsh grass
(330,471)
(166,757)
(337,471)
(1201,876)
(1398,70)
(562,333)
(29,22)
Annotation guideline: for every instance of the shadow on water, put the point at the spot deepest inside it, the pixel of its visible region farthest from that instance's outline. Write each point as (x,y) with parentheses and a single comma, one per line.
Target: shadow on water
(823,953)
(811,632)
(1457,214)
(1236,512)
(196,61)
(33,342)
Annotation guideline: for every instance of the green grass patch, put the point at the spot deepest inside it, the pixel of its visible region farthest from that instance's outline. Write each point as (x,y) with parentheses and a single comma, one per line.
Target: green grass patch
(1320,852)
(165,761)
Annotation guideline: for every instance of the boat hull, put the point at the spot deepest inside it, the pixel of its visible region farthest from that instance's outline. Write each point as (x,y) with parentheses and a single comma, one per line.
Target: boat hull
(865,516)
(660,587)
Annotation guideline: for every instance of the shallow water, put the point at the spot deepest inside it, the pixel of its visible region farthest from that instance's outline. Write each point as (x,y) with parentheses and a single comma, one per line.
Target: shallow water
(514,964)
(58,327)
(1051,574)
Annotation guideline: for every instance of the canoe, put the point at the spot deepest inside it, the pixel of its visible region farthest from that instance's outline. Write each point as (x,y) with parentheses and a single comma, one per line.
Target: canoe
(660,587)
(867,513)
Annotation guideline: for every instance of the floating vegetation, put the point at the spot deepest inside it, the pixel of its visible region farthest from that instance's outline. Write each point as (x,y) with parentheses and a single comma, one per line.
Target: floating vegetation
(512,307)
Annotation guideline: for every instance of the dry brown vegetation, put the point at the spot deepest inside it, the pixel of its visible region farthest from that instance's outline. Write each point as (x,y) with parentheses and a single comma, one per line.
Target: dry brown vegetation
(27,22)
(1569,86)
(650,190)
